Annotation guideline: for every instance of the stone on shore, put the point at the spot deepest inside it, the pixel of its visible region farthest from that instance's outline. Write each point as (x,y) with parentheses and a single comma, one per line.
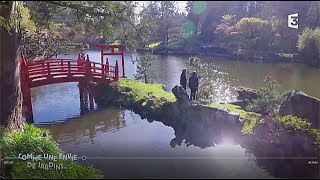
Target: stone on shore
(299,104)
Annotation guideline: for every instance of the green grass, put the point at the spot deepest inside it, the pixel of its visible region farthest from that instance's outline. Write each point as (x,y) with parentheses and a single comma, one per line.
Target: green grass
(70,170)
(140,91)
(32,140)
(153,45)
(291,57)
(249,118)
(116,42)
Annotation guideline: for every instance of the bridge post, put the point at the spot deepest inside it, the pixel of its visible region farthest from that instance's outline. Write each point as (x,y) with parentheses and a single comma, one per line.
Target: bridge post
(116,71)
(91,96)
(122,60)
(83,97)
(48,69)
(69,69)
(102,49)
(107,67)
(61,63)
(89,82)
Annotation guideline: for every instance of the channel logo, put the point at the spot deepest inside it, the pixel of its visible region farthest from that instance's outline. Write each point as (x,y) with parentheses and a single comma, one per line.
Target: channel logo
(293,20)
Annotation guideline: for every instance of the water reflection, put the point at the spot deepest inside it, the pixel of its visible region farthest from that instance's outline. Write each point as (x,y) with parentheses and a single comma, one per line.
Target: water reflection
(125,144)
(224,139)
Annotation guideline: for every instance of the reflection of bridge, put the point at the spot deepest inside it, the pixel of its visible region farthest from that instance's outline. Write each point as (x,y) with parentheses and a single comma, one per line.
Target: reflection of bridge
(82,70)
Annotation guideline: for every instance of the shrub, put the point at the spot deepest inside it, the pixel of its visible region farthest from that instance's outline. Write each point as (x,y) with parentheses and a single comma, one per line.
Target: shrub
(254,33)
(294,122)
(38,141)
(309,46)
(144,71)
(269,100)
(29,140)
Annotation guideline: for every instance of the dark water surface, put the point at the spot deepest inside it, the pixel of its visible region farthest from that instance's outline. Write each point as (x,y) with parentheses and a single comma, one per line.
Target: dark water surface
(121,144)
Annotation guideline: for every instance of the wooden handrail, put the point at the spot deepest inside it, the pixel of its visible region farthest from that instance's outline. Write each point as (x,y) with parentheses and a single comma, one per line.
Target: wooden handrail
(47,71)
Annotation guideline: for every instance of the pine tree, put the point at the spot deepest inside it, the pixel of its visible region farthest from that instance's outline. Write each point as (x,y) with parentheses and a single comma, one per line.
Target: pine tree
(144,71)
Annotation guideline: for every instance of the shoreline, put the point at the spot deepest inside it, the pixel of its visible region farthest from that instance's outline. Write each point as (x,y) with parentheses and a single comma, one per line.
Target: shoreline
(246,128)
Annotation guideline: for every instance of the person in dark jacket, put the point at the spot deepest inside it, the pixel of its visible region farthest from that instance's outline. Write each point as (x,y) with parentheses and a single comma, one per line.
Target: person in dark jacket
(183,79)
(193,85)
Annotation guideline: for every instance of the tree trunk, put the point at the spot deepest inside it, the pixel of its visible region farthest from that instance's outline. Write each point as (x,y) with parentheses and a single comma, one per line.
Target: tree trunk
(10,93)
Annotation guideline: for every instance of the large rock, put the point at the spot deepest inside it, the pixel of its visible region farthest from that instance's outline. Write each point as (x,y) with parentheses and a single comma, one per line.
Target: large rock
(181,94)
(212,116)
(247,93)
(302,105)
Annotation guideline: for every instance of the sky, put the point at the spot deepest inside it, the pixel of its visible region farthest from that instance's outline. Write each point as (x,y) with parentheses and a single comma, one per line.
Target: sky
(181,6)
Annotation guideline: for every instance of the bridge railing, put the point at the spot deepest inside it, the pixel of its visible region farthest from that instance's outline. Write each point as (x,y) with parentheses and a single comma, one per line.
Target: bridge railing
(57,67)
(104,70)
(50,68)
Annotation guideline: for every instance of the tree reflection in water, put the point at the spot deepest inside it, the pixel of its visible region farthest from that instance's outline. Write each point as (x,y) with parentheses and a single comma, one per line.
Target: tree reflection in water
(277,165)
(88,127)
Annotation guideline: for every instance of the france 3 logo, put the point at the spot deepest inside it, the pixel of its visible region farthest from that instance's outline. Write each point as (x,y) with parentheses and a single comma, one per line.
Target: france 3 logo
(293,20)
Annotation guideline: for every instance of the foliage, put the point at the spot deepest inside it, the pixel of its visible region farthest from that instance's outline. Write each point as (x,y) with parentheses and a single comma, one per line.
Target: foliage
(211,22)
(249,119)
(159,21)
(256,32)
(148,24)
(26,22)
(39,141)
(30,140)
(269,100)
(296,123)
(227,24)
(309,46)
(153,45)
(167,13)
(101,18)
(144,71)
(42,45)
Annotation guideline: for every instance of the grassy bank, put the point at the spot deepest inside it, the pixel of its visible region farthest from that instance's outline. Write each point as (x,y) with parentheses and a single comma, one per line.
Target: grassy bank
(152,98)
(136,92)
(38,141)
(153,45)
(141,93)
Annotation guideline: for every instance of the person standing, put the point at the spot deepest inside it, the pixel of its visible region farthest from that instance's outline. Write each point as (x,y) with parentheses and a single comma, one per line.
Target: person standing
(193,85)
(183,79)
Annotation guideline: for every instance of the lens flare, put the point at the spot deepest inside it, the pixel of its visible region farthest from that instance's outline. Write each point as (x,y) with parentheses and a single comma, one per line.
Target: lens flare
(188,29)
(199,7)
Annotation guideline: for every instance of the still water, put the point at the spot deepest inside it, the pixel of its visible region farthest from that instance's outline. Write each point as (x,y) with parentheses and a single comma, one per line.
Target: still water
(121,144)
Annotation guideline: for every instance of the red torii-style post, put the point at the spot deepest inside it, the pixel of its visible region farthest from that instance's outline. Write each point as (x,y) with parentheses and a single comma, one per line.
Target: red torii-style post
(113,52)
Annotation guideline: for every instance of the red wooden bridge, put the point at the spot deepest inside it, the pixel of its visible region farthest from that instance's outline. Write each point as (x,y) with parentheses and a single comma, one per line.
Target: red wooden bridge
(82,70)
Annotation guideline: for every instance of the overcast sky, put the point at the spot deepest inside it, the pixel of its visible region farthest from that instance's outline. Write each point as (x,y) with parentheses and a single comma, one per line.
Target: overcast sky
(181,5)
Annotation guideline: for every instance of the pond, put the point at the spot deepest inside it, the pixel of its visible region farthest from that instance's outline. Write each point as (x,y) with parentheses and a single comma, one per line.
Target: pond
(122,144)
